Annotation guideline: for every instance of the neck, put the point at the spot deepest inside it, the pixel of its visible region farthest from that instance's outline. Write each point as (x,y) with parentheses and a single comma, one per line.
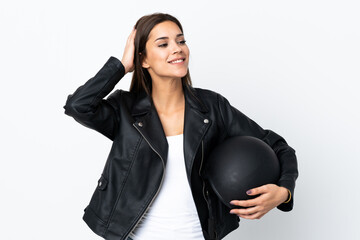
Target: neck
(168,96)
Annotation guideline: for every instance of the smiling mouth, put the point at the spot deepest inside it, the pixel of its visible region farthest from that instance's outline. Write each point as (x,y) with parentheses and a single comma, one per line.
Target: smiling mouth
(177,60)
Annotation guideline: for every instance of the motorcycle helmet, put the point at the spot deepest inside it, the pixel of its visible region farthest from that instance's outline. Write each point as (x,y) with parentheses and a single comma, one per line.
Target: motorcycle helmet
(238,164)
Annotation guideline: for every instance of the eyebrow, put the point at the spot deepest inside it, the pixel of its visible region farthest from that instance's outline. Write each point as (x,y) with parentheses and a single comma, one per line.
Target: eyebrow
(160,38)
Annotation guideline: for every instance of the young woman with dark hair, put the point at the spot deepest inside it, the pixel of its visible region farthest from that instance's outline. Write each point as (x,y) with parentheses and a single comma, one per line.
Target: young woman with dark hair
(163,129)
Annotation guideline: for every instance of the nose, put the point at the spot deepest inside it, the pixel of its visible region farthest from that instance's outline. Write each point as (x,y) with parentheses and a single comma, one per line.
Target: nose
(176,49)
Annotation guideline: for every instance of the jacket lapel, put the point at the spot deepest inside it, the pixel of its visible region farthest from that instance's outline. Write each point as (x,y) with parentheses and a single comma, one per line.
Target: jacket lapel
(196,123)
(195,126)
(148,123)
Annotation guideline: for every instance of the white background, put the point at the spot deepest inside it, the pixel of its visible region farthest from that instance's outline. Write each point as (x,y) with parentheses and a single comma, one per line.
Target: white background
(292,66)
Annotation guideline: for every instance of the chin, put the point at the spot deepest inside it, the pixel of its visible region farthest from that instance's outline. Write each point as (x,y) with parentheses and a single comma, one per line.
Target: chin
(181,74)
(178,73)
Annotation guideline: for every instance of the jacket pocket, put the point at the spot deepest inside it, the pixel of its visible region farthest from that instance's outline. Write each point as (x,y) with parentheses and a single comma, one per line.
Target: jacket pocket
(100,199)
(102,183)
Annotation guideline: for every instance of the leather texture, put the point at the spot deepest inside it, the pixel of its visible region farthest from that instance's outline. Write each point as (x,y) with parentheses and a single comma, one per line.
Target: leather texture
(135,166)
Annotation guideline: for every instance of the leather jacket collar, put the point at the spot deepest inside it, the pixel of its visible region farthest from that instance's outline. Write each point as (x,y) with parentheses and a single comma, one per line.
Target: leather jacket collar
(196,123)
(143,103)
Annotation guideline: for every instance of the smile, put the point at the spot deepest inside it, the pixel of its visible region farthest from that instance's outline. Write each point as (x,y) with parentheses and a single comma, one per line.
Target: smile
(177,60)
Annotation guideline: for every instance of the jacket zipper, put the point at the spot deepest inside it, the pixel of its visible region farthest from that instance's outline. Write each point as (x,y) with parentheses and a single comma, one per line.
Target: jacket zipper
(157,192)
(201,163)
(203,189)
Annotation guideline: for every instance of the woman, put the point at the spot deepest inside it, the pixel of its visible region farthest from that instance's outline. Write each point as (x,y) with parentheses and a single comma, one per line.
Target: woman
(162,131)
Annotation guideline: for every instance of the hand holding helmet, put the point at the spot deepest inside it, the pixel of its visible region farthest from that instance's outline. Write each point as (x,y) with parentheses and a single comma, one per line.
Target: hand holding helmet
(245,169)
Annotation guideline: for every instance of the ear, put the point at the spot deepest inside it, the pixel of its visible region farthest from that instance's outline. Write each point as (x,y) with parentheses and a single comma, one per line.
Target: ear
(144,63)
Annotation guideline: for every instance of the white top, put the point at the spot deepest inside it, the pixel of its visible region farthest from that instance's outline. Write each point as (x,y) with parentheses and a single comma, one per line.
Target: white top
(172,214)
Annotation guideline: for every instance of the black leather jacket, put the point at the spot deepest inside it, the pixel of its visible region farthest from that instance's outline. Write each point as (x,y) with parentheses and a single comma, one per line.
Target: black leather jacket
(135,167)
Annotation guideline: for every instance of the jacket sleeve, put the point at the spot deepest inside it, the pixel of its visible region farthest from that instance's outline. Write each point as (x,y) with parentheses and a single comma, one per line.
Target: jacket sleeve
(236,123)
(87,104)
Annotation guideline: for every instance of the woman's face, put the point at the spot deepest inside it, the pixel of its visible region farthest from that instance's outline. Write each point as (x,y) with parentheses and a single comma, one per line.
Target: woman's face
(167,55)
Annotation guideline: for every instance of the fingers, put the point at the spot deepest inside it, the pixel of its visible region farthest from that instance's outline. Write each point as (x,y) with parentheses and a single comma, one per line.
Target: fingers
(245,211)
(257,215)
(259,190)
(131,37)
(128,56)
(254,208)
(257,207)
(255,201)
(249,213)
(245,203)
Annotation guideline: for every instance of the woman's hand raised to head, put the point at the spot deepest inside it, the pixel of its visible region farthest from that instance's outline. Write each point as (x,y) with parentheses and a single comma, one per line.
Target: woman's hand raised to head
(128,56)
(271,196)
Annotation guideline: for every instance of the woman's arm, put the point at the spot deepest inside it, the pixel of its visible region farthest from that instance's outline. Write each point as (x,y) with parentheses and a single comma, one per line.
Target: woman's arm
(236,123)
(87,104)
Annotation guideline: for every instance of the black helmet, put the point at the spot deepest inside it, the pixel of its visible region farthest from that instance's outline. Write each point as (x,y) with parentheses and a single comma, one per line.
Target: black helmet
(239,164)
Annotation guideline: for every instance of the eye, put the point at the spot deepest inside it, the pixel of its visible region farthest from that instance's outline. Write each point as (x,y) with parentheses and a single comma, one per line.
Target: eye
(182,42)
(163,45)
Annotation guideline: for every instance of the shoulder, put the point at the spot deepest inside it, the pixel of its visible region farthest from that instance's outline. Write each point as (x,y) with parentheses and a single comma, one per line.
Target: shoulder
(205,91)
(122,97)
(208,95)
(120,93)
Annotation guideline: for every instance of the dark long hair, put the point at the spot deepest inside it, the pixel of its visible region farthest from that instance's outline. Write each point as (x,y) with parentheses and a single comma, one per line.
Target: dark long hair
(141,79)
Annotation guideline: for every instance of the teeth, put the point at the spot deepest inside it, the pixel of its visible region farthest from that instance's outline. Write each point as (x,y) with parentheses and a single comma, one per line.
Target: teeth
(177,61)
